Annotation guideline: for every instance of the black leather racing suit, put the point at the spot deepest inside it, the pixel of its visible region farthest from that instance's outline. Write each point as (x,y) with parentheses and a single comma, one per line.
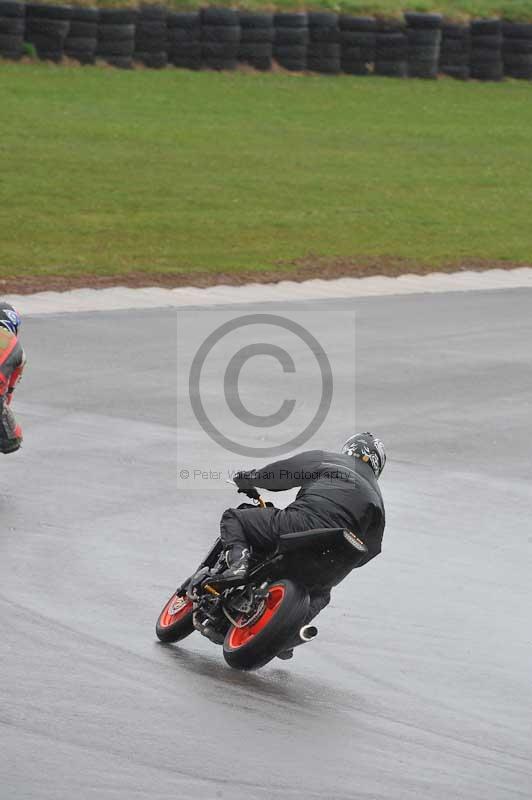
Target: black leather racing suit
(336,491)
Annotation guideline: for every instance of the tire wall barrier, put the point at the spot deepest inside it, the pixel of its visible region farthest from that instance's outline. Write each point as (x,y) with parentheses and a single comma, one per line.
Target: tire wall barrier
(256,40)
(47,29)
(424,41)
(151,37)
(324,53)
(116,36)
(82,38)
(486,50)
(358,36)
(12,29)
(290,42)
(419,46)
(391,49)
(183,40)
(455,51)
(220,38)
(517,50)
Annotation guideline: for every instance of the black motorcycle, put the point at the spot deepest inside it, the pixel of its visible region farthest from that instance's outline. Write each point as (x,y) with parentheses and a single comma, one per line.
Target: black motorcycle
(266,614)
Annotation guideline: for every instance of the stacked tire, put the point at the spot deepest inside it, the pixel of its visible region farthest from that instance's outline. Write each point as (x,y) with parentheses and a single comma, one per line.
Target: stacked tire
(256,40)
(323,50)
(151,37)
(116,36)
(82,39)
(47,28)
(12,25)
(220,38)
(184,40)
(424,38)
(291,41)
(391,50)
(357,40)
(455,50)
(517,50)
(486,50)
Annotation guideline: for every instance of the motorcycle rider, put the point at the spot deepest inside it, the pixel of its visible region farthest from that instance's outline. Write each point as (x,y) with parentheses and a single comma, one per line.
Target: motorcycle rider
(337,490)
(12,362)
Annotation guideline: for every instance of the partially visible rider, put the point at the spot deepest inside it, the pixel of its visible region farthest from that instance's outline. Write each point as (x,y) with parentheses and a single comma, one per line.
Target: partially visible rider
(338,490)
(12,362)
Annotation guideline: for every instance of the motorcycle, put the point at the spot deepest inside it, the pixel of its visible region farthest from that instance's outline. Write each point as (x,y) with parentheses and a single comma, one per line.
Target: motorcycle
(266,614)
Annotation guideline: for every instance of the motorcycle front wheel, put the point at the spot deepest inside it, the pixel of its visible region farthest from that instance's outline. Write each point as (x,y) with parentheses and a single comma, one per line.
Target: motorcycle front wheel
(251,646)
(175,620)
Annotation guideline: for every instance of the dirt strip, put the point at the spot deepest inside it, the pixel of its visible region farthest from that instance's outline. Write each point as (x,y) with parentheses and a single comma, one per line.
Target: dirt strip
(304,269)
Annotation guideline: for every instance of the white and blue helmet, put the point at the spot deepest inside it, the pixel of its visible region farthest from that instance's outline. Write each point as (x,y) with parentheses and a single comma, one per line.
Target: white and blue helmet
(368,448)
(9,318)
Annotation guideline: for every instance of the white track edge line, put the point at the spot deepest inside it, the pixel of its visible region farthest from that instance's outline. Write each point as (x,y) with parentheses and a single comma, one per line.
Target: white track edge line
(123,298)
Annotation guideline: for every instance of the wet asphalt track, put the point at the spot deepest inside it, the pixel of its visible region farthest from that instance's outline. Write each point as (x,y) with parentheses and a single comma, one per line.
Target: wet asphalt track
(419,684)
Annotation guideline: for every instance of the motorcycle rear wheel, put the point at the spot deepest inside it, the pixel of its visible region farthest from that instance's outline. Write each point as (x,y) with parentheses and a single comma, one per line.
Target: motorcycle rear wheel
(252,646)
(175,620)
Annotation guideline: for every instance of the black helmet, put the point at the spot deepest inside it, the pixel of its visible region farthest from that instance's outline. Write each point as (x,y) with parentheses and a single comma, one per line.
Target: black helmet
(367,447)
(9,318)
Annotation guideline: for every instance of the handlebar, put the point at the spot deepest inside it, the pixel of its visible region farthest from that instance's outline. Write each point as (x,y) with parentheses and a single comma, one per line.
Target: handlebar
(253,494)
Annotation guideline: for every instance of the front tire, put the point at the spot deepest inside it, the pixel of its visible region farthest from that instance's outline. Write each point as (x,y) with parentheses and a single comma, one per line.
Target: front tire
(175,620)
(253,646)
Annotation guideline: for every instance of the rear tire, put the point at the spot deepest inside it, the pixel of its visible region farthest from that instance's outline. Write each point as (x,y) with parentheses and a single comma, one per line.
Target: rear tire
(175,620)
(253,646)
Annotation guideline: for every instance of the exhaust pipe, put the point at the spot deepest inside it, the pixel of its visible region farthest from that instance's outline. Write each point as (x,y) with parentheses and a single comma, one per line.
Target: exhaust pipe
(307,633)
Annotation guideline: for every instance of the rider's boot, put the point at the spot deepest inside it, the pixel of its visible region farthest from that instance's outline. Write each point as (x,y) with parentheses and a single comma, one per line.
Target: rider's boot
(286,655)
(237,559)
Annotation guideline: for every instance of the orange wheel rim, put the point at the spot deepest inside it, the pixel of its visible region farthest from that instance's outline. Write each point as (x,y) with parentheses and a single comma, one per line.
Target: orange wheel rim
(241,636)
(174,611)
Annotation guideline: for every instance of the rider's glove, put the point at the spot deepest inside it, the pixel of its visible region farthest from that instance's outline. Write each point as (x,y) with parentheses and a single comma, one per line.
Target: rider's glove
(244,482)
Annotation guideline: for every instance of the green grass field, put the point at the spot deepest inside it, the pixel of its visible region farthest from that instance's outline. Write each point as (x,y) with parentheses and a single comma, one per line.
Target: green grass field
(105,171)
